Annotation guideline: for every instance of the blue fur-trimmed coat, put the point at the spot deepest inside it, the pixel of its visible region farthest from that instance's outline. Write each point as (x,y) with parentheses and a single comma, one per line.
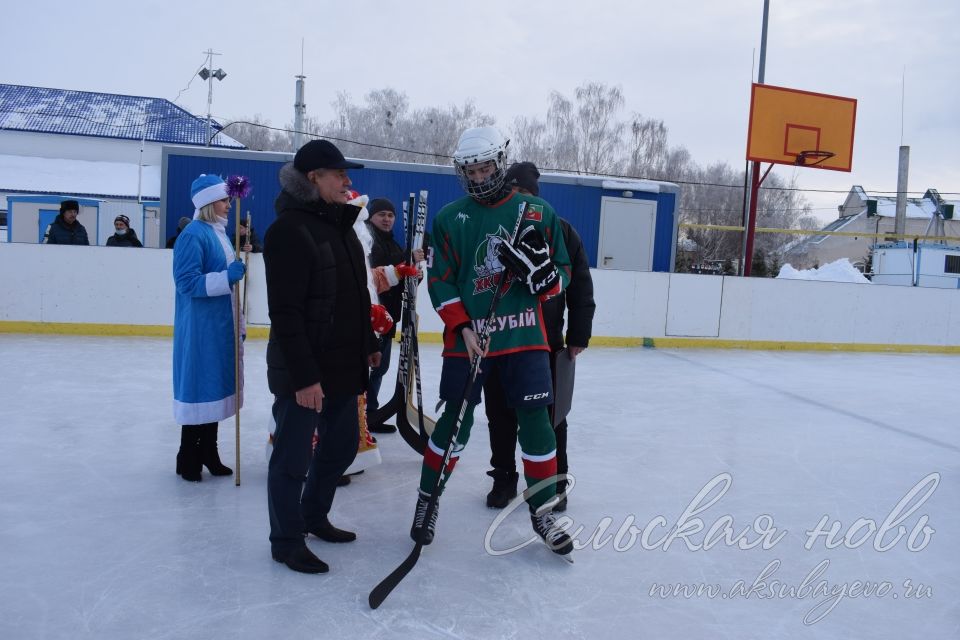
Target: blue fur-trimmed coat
(204,388)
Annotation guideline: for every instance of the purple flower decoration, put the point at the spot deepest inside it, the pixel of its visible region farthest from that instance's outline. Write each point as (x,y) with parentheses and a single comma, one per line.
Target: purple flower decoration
(238,186)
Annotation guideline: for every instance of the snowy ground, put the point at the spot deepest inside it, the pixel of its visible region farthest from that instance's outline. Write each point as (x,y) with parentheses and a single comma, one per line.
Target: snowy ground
(100,539)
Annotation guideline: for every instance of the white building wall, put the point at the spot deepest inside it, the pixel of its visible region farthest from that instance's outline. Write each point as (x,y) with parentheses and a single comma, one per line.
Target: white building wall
(49,145)
(103,285)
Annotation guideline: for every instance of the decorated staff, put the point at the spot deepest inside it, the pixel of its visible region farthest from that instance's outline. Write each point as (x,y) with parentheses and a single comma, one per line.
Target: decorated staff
(238,187)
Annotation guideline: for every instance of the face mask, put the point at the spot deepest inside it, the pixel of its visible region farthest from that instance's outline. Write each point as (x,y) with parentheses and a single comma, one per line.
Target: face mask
(121,232)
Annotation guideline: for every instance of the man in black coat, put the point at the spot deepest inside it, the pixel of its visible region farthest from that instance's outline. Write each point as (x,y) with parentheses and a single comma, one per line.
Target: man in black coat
(65,229)
(321,345)
(577,300)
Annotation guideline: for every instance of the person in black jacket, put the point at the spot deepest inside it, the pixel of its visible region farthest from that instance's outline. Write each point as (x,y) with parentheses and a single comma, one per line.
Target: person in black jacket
(65,229)
(577,299)
(386,253)
(181,225)
(249,244)
(321,345)
(123,235)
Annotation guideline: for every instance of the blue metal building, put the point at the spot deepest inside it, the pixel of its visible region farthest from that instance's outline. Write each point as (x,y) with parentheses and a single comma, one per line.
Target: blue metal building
(624,224)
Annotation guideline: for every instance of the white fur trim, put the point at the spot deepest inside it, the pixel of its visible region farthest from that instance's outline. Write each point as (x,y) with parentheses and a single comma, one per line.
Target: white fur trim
(217,283)
(211,194)
(393,278)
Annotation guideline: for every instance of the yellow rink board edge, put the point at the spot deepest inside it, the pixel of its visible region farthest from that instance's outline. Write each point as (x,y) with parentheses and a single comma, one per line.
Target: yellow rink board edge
(262,332)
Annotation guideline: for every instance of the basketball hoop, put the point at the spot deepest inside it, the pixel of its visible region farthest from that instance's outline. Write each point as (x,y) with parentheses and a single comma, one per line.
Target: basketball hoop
(812,158)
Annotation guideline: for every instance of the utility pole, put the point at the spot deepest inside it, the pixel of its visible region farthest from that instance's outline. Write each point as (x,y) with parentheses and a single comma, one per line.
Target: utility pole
(208,73)
(755,178)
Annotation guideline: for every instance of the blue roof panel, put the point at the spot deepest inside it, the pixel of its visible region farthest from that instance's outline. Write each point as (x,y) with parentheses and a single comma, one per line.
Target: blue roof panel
(105,115)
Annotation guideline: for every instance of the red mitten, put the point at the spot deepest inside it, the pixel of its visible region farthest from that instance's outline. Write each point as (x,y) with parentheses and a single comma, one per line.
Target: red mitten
(405,270)
(380,319)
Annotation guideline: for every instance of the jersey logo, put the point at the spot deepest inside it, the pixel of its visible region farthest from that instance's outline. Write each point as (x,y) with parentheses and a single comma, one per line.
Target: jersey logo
(462,217)
(534,212)
(487,264)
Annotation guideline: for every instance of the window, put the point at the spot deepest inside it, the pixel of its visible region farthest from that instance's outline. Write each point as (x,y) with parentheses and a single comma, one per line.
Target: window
(951,264)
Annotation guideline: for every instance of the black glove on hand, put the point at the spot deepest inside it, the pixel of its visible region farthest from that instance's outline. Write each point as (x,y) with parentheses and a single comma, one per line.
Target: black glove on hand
(530,261)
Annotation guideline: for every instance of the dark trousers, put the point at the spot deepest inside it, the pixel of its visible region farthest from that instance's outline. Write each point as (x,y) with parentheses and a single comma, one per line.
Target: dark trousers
(296,506)
(376,375)
(502,423)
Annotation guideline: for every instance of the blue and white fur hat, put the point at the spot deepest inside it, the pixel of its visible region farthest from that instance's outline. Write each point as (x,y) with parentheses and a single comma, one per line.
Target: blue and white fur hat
(207,189)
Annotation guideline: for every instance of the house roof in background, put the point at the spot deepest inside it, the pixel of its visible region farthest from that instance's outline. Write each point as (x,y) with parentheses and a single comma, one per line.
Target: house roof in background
(105,115)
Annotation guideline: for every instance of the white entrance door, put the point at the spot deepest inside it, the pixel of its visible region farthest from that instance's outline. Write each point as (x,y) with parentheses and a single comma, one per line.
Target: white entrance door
(626,234)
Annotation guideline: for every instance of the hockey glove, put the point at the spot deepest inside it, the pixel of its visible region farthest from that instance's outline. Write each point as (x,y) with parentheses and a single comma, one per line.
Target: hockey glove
(235,271)
(380,319)
(530,261)
(405,270)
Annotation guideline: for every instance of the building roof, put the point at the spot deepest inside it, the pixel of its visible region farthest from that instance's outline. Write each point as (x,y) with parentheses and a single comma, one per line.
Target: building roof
(105,115)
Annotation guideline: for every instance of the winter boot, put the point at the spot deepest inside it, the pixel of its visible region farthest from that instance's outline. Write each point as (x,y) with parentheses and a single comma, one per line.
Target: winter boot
(545,524)
(420,516)
(329,533)
(189,464)
(208,450)
(504,488)
(562,494)
(382,428)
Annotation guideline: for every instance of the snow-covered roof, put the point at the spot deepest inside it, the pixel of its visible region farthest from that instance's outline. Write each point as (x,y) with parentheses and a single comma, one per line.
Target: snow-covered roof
(26,174)
(104,115)
(921,208)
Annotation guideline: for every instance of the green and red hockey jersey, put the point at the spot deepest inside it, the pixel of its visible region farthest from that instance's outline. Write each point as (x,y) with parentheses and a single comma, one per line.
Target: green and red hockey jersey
(465,268)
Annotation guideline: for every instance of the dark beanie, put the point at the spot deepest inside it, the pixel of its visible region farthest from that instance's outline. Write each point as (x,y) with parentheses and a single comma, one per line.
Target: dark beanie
(69,205)
(380,204)
(524,175)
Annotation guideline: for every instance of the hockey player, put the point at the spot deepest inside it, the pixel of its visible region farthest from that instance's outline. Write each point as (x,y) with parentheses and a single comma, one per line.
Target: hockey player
(470,248)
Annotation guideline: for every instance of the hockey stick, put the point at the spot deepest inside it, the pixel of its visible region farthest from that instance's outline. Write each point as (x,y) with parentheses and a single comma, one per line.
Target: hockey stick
(412,283)
(388,584)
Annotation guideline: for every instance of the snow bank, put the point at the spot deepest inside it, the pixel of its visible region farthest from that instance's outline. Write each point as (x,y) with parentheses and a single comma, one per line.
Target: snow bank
(837,271)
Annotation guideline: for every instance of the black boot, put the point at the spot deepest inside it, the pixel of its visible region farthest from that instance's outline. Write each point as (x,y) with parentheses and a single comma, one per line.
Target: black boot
(329,533)
(504,488)
(188,458)
(562,493)
(209,453)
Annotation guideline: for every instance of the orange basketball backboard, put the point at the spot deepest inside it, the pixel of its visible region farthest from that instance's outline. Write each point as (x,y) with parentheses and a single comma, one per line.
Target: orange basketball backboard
(789,126)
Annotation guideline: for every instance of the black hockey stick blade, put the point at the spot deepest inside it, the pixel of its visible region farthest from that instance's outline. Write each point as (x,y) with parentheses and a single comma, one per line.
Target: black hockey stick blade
(410,434)
(388,584)
(386,411)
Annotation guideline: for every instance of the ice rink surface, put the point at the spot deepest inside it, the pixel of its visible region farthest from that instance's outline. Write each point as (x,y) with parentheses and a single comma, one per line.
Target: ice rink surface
(681,458)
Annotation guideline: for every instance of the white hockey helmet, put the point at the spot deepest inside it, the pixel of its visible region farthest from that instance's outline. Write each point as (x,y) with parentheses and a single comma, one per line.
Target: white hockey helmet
(478,145)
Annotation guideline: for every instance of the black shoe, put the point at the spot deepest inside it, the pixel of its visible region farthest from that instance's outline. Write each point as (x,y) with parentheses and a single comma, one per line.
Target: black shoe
(329,533)
(504,488)
(208,451)
(562,493)
(545,525)
(343,481)
(189,464)
(420,515)
(382,428)
(302,560)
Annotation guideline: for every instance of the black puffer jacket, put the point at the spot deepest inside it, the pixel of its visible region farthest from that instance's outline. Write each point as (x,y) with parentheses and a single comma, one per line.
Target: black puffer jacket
(577,298)
(386,252)
(129,239)
(60,232)
(316,294)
